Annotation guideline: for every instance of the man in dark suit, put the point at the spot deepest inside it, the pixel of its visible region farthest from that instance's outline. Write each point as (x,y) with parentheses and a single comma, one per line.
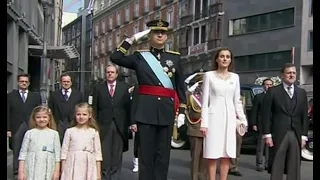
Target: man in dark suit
(111,103)
(20,104)
(256,126)
(62,103)
(161,87)
(285,125)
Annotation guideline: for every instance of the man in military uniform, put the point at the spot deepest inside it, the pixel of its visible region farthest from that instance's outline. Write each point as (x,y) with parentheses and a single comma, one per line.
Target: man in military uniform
(161,97)
(198,163)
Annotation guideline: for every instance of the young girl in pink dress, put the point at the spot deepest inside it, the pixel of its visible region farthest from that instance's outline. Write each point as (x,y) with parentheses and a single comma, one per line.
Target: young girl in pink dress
(81,149)
(39,156)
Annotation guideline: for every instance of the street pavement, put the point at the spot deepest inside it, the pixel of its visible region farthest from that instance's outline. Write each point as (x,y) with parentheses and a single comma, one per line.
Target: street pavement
(179,167)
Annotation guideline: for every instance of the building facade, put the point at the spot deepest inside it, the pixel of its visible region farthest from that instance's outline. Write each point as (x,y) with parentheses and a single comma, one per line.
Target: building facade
(263,35)
(25,27)
(113,20)
(306,68)
(199,33)
(79,33)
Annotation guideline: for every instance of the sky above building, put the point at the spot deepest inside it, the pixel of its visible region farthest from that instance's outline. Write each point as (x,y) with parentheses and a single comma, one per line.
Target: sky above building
(72,6)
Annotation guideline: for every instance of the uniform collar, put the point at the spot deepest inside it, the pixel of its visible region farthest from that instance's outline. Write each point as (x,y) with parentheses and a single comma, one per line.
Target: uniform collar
(156,51)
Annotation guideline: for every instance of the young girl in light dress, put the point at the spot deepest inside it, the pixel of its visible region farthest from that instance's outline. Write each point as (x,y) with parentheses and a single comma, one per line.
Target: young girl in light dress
(39,157)
(81,149)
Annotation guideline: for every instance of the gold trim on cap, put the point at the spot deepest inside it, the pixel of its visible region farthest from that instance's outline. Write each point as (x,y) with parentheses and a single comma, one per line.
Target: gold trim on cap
(159,28)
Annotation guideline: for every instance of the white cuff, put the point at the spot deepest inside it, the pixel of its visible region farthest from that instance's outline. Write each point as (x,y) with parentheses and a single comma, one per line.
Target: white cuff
(267,135)
(304,138)
(128,41)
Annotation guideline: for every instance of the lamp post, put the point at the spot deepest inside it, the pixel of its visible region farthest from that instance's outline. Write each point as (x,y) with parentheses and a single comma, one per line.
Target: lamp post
(44,64)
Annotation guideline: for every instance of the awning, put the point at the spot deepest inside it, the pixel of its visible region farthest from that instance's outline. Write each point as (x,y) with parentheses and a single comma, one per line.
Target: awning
(54,52)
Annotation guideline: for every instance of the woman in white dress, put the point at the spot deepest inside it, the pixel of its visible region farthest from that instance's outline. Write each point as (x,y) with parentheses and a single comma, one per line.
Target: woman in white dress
(220,105)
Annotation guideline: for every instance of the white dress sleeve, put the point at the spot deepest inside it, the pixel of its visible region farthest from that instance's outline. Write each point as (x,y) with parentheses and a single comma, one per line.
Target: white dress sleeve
(205,101)
(237,102)
(25,146)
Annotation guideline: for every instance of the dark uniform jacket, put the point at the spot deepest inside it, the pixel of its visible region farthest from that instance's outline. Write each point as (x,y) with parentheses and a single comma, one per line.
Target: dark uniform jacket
(152,109)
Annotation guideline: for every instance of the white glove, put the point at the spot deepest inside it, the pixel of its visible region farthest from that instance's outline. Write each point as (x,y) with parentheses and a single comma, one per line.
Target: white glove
(193,87)
(139,35)
(181,120)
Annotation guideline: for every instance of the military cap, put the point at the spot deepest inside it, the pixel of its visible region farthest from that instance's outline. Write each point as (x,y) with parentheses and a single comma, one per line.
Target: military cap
(158,25)
(195,77)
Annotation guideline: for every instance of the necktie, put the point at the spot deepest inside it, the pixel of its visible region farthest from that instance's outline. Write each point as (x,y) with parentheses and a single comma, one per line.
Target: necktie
(111,90)
(65,95)
(289,91)
(23,96)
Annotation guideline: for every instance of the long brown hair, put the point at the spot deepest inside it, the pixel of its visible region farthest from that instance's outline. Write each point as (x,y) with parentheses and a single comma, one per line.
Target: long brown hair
(92,122)
(32,121)
(216,55)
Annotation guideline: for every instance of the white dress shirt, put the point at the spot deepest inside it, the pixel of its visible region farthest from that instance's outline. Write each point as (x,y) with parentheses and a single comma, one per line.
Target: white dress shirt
(25,94)
(114,85)
(68,91)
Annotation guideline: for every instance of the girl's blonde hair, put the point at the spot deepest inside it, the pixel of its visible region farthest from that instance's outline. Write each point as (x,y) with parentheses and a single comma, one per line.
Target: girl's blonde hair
(92,122)
(32,121)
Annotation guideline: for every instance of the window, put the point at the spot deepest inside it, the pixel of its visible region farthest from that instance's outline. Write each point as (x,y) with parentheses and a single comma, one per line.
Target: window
(96,30)
(146,5)
(110,42)
(96,48)
(136,27)
(110,22)
(118,37)
(196,36)
(102,45)
(127,13)
(146,19)
(136,8)
(169,16)
(267,21)
(157,15)
(103,26)
(310,41)
(311,8)
(247,95)
(169,45)
(118,18)
(157,3)
(265,61)
(203,34)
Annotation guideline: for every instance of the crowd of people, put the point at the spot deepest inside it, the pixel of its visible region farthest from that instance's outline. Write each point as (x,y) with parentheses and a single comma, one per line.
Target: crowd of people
(70,139)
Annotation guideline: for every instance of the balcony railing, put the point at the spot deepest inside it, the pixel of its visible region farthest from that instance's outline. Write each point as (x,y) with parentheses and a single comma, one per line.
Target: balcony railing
(197,49)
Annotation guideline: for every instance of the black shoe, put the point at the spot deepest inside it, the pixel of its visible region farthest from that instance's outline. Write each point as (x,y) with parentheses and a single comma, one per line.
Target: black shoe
(235,173)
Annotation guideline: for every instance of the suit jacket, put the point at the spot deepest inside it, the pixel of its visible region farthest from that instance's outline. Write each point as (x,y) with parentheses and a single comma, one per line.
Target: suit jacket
(257,110)
(116,108)
(153,109)
(61,108)
(19,111)
(276,119)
